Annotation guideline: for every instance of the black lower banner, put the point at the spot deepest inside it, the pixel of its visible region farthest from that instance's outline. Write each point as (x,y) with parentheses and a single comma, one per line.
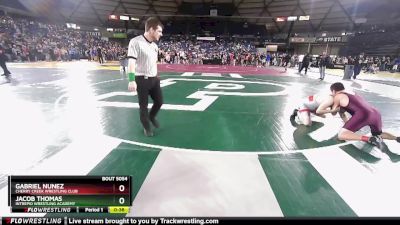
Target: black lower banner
(185,220)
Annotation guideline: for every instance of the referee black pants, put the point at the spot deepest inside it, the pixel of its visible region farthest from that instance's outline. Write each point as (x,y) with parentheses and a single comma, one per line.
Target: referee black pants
(148,86)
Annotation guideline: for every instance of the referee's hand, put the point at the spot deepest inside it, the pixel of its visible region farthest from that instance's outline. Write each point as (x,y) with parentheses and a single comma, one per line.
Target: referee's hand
(132,86)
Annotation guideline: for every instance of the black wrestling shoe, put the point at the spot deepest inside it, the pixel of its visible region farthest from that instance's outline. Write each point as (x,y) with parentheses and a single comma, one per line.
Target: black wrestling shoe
(377,141)
(398,139)
(294,114)
(293,118)
(148,132)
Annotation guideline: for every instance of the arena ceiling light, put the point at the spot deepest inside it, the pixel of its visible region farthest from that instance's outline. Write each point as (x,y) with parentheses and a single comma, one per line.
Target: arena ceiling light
(124,17)
(134,18)
(71,25)
(113,17)
(304,18)
(292,18)
(280,19)
(96,29)
(110,29)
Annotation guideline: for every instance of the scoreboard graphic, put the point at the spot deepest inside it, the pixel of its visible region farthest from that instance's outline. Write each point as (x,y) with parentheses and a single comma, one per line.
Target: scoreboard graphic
(70,194)
(79,194)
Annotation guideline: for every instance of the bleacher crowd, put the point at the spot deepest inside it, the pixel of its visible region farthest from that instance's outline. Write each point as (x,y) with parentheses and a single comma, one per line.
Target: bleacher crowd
(25,40)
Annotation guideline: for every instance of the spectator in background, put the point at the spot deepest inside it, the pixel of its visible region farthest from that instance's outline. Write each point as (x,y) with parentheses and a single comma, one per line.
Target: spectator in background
(300,61)
(268,59)
(396,65)
(323,62)
(88,54)
(349,68)
(287,60)
(3,59)
(305,63)
(123,60)
(357,65)
(100,55)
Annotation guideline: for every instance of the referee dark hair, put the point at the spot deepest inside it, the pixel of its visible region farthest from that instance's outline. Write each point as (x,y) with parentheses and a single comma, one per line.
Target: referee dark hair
(142,72)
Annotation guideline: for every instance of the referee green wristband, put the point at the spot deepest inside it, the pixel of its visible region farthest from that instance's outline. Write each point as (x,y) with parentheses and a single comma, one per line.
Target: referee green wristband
(131,76)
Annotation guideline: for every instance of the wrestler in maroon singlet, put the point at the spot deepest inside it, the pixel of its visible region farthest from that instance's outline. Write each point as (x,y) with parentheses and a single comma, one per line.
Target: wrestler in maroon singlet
(362,114)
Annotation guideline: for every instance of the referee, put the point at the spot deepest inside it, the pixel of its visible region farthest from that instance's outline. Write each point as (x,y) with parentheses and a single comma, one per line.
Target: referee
(142,72)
